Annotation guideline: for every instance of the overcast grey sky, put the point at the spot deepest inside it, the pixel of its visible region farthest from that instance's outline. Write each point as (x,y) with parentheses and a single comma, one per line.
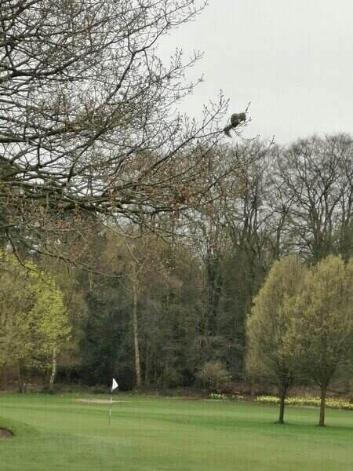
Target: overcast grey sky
(293,59)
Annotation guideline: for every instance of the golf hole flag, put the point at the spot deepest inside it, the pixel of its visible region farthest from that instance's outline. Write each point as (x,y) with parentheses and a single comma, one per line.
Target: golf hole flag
(114,385)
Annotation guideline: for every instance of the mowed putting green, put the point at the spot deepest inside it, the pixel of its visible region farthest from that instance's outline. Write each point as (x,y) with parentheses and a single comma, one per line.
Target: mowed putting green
(151,434)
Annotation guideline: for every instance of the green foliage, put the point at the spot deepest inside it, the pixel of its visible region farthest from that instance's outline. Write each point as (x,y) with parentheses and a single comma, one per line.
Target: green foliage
(34,320)
(302,324)
(268,357)
(321,336)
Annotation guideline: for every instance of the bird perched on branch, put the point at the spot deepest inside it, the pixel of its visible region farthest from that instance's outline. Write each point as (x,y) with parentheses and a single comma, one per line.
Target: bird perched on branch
(235,120)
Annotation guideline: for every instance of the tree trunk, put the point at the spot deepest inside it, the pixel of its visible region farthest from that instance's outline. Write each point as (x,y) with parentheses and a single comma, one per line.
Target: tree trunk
(147,365)
(53,371)
(323,390)
(5,375)
(213,292)
(282,398)
(20,379)
(135,330)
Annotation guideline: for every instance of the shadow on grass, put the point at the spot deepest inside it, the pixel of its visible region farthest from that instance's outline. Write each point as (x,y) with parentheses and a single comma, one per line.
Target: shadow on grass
(5,433)
(15,429)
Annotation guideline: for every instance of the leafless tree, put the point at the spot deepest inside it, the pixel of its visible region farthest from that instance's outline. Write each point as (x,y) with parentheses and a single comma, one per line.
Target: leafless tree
(315,194)
(88,118)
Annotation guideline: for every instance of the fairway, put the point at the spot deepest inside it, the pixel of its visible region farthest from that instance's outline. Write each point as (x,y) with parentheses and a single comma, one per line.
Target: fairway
(151,434)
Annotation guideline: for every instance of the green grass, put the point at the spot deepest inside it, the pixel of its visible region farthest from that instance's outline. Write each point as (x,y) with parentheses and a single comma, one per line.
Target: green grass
(152,434)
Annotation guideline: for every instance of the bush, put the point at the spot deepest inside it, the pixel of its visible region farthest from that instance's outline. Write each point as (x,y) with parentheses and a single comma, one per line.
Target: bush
(214,376)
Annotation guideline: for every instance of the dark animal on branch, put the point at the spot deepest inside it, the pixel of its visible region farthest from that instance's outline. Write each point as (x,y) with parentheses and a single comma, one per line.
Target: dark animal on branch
(235,120)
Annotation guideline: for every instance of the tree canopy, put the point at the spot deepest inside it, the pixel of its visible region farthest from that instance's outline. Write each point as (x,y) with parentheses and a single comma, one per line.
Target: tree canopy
(321,336)
(34,320)
(268,356)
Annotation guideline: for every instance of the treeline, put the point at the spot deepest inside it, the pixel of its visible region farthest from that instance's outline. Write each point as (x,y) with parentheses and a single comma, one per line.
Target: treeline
(163,301)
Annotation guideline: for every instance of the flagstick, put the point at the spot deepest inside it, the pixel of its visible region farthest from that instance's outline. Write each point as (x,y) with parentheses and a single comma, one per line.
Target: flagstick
(115,385)
(110,408)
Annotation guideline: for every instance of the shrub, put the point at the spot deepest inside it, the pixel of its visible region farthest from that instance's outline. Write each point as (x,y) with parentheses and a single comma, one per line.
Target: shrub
(214,376)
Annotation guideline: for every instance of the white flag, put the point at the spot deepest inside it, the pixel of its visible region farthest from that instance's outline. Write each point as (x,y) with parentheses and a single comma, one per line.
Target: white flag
(114,385)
